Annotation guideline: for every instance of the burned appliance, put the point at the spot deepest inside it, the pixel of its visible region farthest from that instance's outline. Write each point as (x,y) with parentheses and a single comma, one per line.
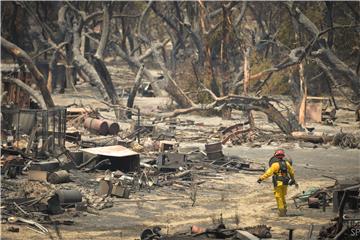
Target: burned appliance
(214,151)
(121,158)
(171,161)
(37,132)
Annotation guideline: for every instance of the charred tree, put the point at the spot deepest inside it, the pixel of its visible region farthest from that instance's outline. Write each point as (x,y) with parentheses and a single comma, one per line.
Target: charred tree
(175,92)
(34,94)
(134,89)
(319,49)
(242,103)
(81,62)
(22,56)
(105,31)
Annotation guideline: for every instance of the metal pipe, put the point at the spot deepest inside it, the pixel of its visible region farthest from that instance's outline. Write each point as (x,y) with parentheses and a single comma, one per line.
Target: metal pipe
(341,212)
(101,163)
(61,176)
(68,196)
(138,124)
(54,129)
(291,232)
(87,162)
(18,127)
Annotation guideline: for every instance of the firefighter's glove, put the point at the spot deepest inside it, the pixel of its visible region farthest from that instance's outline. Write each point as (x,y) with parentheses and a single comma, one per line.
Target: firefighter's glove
(259,181)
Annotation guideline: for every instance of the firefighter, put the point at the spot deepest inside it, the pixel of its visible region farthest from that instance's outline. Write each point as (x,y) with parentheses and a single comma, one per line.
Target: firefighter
(282,174)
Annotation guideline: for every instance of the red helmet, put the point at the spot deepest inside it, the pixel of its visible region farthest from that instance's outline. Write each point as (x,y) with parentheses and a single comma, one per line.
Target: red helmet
(279,153)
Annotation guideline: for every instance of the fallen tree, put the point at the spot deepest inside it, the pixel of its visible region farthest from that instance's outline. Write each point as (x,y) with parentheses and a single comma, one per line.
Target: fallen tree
(242,103)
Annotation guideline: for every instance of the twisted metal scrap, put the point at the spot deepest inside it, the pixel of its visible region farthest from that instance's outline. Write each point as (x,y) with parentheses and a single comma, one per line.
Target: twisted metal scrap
(346,140)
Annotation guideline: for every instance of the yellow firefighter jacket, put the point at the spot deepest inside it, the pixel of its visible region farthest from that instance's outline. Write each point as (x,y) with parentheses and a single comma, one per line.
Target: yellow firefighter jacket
(274,169)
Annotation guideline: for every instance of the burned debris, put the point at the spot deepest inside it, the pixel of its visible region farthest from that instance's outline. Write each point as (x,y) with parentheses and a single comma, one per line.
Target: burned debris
(53,151)
(220,232)
(68,162)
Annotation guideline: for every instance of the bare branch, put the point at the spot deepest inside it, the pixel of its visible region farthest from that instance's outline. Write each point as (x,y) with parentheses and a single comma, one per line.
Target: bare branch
(135,63)
(134,89)
(205,89)
(228,6)
(139,27)
(81,13)
(105,30)
(171,86)
(90,17)
(241,15)
(31,12)
(244,104)
(149,51)
(334,81)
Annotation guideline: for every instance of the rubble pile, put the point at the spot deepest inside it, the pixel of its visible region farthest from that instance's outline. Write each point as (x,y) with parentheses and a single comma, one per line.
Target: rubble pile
(219,232)
(80,170)
(346,140)
(50,172)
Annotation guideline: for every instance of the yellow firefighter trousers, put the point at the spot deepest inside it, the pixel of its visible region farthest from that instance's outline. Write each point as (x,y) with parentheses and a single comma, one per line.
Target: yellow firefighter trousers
(280,193)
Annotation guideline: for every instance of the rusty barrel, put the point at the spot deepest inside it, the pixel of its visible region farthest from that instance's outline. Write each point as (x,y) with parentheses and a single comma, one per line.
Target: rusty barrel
(114,127)
(61,176)
(197,230)
(96,125)
(68,196)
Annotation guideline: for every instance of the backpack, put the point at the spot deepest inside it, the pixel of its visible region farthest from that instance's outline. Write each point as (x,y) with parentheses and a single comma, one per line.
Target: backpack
(283,169)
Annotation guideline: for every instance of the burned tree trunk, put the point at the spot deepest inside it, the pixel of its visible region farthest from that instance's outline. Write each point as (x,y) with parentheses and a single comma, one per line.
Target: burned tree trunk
(134,90)
(27,89)
(105,30)
(340,88)
(135,63)
(175,92)
(40,81)
(106,79)
(247,83)
(339,70)
(83,64)
(52,69)
(303,96)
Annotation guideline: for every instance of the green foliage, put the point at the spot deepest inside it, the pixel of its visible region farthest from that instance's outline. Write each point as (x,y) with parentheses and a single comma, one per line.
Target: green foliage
(277,84)
(286,34)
